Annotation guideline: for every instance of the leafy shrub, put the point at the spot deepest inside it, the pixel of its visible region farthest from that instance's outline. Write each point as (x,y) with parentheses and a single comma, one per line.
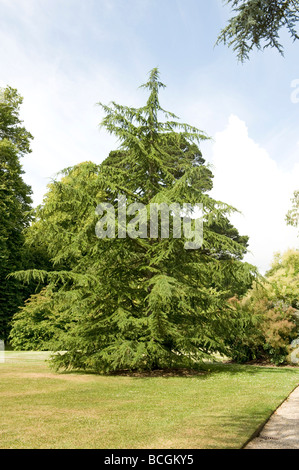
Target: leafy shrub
(34,326)
(264,331)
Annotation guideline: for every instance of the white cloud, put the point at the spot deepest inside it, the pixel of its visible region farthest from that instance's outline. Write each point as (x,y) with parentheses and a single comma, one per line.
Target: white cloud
(247,178)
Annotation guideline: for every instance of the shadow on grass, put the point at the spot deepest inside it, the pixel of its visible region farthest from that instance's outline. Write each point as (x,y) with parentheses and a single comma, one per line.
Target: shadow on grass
(201,371)
(234,431)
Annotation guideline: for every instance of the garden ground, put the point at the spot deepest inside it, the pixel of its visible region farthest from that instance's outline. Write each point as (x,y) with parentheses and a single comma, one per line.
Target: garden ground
(218,408)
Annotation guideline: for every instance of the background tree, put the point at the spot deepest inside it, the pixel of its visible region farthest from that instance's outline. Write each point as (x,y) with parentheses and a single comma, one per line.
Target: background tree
(292,217)
(136,303)
(283,278)
(258,23)
(15,203)
(15,208)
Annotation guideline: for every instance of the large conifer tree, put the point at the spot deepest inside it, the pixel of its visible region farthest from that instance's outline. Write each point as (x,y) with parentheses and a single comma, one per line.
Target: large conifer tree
(136,303)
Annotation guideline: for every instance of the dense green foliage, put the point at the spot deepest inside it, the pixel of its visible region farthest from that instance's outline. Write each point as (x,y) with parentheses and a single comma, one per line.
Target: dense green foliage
(15,205)
(258,23)
(136,303)
(267,318)
(283,278)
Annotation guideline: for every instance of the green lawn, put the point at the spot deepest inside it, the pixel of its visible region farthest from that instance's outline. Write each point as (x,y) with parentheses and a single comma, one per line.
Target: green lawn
(217,409)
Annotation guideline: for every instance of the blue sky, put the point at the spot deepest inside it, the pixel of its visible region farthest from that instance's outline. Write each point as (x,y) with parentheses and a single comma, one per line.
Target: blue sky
(64,56)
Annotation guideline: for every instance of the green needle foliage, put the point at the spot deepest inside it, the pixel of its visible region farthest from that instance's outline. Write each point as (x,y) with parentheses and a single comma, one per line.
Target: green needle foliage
(135,303)
(258,23)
